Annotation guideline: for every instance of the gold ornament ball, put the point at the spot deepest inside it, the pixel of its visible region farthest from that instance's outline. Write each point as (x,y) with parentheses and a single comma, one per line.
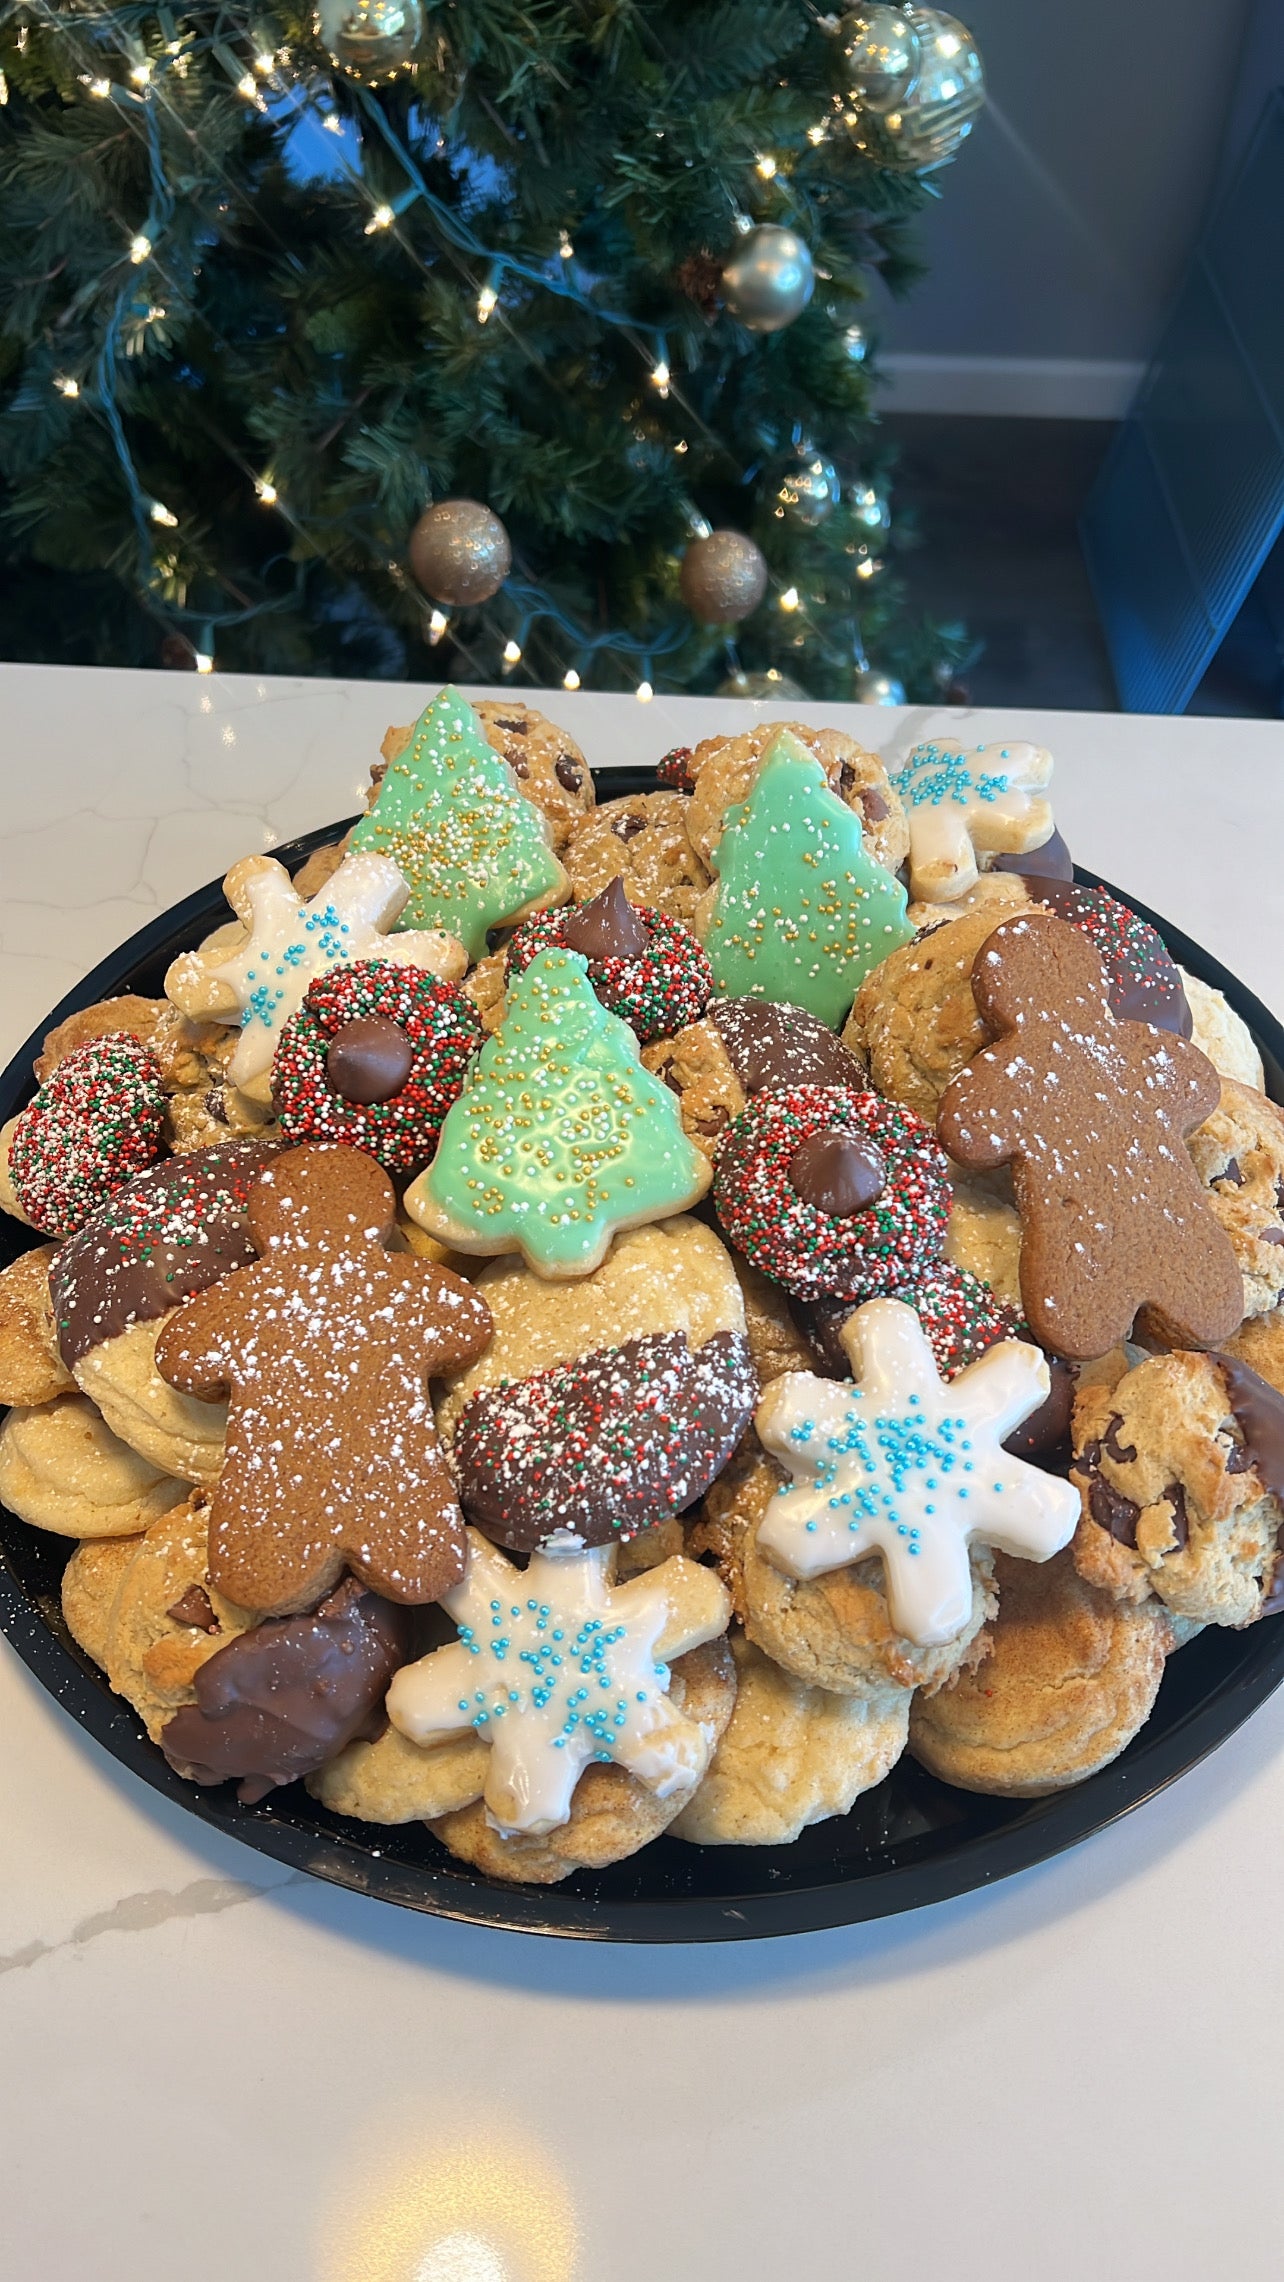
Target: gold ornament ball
(935,118)
(369,39)
(879,56)
(459,552)
(723,578)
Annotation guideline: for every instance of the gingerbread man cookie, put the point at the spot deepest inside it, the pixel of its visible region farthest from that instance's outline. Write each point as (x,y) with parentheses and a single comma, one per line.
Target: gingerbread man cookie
(959,805)
(325,1346)
(1092,1113)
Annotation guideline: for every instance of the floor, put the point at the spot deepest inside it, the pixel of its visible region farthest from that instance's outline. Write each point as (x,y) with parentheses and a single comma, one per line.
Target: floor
(996,503)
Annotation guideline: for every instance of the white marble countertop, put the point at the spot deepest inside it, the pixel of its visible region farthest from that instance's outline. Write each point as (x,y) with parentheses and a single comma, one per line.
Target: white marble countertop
(213,2068)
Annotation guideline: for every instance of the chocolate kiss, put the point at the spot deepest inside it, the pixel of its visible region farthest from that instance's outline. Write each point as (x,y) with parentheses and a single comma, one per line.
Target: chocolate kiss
(608,927)
(369,1060)
(837,1173)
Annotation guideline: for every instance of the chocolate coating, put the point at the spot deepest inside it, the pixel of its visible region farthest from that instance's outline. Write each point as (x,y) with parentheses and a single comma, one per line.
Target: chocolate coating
(771,1046)
(837,1173)
(174,1231)
(1044,1437)
(284,1698)
(1053,861)
(1145,988)
(369,1060)
(820,1321)
(608,927)
(604,1446)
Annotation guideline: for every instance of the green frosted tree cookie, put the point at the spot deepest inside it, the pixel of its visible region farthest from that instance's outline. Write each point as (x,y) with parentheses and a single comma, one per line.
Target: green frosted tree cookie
(802,912)
(560,1137)
(472,850)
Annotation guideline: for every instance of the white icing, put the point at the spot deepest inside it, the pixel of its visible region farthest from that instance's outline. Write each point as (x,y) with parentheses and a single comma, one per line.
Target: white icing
(954,801)
(554,1666)
(910,1467)
(291,942)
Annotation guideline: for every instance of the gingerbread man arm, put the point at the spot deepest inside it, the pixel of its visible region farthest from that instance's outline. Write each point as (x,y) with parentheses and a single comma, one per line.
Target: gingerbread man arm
(194,1352)
(1165,1052)
(971,1121)
(440,1311)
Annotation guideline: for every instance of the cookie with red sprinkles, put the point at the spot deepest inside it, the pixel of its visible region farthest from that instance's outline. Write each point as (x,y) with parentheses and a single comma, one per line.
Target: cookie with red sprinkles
(1143,981)
(674,770)
(373,1060)
(602,1447)
(646,968)
(827,1189)
(94,1124)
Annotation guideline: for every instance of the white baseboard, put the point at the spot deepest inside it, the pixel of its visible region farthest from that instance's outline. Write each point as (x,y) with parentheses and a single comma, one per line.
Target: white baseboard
(1048,388)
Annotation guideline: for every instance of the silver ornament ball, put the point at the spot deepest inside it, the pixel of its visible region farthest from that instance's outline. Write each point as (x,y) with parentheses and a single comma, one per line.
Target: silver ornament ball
(723,578)
(870,511)
(808,489)
(935,117)
(769,684)
(880,56)
(369,39)
(874,688)
(771,280)
(459,553)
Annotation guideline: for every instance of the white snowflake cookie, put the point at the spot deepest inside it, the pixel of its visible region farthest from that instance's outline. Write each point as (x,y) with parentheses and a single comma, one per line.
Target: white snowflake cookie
(556,1666)
(958,805)
(907,1466)
(261,981)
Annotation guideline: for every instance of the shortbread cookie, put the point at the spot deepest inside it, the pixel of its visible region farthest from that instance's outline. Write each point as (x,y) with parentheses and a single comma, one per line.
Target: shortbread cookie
(1181,1470)
(984,1232)
(1222,1034)
(791,1756)
(1071,1677)
(173,1431)
(834,1631)
(1260,1344)
(1239,1157)
(31,1368)
(547,764)
(775,1342)
(62,1469)
(612,1814)
(391,1780)
(90,1583)
(642,840)
(722,771)
(674,1276)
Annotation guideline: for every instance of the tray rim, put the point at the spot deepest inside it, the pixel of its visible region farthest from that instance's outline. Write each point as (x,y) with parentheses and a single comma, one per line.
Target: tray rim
(1050,1827)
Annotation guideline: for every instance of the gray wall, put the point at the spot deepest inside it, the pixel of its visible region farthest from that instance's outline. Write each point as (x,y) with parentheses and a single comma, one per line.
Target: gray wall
(1067,217)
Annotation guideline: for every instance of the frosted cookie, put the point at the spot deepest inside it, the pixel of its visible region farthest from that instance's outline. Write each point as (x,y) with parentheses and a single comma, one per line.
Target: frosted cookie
(674,1276)
(31,1369)
(555,1666)
(560,1137)
(791,1756)
(962,804)
(642,840)
(722,770)
(88,1591)
(834,1632)
(612,1813)
(172,1232)
(548,766)
(1239,1156)
(62,1469)
(392,1781)
(1181,1470)
(1222,1034)
(1071,1677)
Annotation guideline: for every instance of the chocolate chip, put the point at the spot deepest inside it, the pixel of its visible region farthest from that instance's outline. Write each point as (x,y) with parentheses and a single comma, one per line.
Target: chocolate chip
(1176,1498)
(716,1122)
(1272,1236)
(1123,1455)
(194,1607)
(516,728)
(873,807)
(628,827)
(1233,1173)
(520,770)
(1113,1512)
(568,775)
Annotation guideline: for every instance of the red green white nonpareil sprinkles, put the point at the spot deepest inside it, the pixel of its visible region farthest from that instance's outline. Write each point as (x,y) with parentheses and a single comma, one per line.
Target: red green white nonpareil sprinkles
(889,1244)
(94,1124)
(660,992)
(443,1032)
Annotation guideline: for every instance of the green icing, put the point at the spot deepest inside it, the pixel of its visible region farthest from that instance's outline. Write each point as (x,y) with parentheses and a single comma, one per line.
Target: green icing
(802,913)
(559,1136)
(473,852)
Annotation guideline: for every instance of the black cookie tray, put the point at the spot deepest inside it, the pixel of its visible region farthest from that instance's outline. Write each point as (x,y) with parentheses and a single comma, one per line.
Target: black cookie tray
(911,1841)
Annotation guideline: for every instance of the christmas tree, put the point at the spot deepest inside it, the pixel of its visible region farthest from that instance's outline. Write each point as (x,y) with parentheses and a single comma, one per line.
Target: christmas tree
(514,337)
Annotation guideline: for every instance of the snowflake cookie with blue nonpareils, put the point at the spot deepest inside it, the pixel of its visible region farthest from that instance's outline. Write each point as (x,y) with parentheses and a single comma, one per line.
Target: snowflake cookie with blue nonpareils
(960,804)
(903,1465)
(263,980)
(556,1667)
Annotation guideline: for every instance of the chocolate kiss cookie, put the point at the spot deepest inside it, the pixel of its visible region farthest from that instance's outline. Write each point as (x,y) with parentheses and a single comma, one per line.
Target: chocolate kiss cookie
(287,1696)
(174,1231)
(603,1447)
(771,1046)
